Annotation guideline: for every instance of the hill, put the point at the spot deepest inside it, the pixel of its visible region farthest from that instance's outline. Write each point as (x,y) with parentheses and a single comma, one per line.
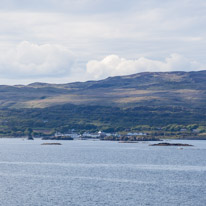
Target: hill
(151,89)
(138,102)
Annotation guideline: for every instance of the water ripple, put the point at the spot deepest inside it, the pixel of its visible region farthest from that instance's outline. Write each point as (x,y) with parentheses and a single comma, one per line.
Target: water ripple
(129,166)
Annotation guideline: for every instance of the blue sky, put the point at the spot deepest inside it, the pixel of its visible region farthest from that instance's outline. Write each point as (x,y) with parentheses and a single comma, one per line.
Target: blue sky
(76,40)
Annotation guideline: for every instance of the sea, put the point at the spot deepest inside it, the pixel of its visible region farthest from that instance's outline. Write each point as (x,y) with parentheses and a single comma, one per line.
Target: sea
(101,173)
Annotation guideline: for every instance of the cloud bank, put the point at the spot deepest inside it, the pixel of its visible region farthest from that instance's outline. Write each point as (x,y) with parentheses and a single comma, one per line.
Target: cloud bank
(113,65)
(55,63)
(28,60)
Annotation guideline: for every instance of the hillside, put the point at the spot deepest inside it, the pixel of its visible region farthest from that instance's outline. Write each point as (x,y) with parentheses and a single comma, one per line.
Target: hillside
(155,102)
(151,89)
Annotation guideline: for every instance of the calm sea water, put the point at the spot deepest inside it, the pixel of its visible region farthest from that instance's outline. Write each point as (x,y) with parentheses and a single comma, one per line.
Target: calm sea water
(88,173)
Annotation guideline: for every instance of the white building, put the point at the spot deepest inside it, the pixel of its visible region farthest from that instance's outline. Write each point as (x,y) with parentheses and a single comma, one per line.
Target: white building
(85,134)
(73,135)
(136,134)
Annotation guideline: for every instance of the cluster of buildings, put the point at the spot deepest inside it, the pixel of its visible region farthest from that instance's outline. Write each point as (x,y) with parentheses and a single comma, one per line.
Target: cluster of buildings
(98,135)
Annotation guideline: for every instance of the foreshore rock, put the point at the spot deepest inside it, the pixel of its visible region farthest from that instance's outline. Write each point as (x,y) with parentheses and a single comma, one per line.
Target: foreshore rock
(130,139)
(51,144)
(171,144)
(57,138)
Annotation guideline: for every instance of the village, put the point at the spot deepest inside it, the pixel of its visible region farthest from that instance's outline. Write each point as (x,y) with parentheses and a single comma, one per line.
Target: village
(126,136)
(102,136)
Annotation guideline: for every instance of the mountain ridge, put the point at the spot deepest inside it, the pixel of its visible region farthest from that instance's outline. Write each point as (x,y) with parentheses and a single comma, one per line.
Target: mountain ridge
(157,102)
(150,88)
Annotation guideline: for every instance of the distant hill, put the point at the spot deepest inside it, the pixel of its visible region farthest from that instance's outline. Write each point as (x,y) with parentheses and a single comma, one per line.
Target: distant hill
(159,103)
(151,89)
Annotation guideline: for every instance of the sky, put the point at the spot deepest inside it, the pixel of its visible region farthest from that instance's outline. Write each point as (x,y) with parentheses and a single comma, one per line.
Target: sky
(61,41)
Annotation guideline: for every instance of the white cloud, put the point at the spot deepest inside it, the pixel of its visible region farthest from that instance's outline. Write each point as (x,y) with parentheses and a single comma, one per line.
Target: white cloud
(28,60)
(113,65)
(92,29)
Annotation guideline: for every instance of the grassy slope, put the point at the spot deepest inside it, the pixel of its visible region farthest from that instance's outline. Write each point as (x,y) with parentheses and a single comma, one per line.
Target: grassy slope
(151,89)
(119,103)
